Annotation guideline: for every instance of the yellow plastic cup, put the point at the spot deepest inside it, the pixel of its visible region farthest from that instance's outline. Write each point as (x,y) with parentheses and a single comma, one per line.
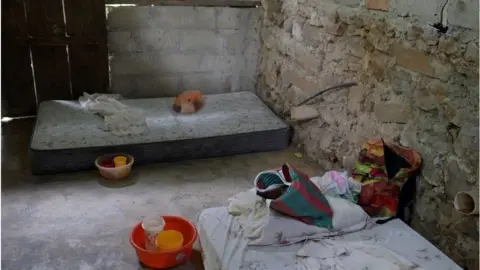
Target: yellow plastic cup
(120,161)
(169,240)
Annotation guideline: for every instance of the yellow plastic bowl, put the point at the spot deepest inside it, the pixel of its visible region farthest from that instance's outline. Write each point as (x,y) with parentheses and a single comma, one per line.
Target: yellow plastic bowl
(116,173)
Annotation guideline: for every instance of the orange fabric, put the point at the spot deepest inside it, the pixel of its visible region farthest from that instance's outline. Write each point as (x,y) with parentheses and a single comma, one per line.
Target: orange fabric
(190,101)
(380,192)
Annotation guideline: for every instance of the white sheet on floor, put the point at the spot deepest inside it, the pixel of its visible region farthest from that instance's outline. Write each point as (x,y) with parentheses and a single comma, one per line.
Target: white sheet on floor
(118,118)
(225,248)
(265,226)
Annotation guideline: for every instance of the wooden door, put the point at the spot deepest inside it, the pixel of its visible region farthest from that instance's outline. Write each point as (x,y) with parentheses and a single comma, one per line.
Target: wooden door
(51,49)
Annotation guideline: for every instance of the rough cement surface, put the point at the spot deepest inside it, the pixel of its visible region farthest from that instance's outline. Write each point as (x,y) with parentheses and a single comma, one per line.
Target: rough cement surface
(164,50)
(70,221)
(417,87)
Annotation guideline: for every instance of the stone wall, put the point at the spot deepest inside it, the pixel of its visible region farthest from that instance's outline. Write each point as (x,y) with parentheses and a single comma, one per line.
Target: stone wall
(164,50)
(417,87)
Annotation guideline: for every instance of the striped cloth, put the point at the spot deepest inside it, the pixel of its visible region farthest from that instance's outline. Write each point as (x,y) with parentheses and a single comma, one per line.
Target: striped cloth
(292,193)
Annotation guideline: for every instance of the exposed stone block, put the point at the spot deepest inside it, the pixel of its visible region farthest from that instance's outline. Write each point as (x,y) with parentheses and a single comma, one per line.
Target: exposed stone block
(413,32)
(442,71)
(311,62)
(313,36)
(430,35)
(300,53)
(288,25)
(356,98)
(355,48)
(421,45)
(270,80)
(376,64)
(294,96)
(471,53)
(304,112)
(401,82)
(464,67)
(425,101)
(458,175)
(377,4)
(297,31)
(349,3)
(466,144)
(290,76)
(413,60)
(337,29)
(377,37)
(315,19)
(447,45)
(432,170)
(392,113)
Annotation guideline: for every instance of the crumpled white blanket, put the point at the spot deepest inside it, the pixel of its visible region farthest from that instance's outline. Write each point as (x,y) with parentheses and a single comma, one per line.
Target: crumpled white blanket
(344,255)
(118,118)
(251,212)
(265,226)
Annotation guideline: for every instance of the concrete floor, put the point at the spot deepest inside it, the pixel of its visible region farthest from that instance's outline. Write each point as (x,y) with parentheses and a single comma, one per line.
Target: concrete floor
(70,221)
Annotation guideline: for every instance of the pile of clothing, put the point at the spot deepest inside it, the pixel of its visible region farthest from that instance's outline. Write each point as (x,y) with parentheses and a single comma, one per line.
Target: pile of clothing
(285,206)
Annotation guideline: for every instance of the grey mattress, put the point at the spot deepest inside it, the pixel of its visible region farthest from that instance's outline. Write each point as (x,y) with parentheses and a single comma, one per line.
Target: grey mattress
(68,138)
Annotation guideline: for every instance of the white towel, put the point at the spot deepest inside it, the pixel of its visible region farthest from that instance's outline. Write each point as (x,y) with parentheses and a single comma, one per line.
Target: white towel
(118,118)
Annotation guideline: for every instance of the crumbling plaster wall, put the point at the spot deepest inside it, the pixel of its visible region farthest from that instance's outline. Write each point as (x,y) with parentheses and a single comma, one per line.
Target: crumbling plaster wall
(417,87)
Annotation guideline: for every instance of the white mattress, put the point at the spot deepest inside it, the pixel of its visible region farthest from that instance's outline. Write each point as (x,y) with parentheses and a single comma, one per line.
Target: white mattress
(66,125)
(224,248)
(68,138)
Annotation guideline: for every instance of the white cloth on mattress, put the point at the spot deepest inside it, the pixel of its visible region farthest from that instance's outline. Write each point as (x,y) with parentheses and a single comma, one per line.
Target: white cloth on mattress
(250,211)
(225,248)
(118,118)
(346,255)
(338,184)
(265,226)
